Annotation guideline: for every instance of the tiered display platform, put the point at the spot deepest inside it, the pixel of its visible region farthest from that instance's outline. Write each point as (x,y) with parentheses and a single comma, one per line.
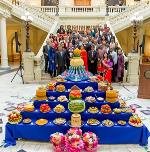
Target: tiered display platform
(116,134)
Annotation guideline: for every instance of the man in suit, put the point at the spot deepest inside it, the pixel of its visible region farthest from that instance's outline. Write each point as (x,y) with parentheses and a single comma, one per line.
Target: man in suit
(92,56)
(61,60)
(45,52)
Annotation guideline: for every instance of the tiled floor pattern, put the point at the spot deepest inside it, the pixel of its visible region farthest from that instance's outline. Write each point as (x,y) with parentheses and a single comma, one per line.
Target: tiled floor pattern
(15,93)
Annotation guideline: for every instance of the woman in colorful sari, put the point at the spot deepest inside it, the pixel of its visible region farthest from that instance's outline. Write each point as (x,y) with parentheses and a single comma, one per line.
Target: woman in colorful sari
(84,57)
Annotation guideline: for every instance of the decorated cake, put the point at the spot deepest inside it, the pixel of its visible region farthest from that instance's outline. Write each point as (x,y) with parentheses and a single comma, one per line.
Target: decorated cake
(111,96)
(76,70)
(41,93)
(76,120)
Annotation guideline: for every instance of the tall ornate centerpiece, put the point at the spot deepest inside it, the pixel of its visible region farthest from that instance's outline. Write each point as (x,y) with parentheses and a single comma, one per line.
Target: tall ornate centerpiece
(77,70)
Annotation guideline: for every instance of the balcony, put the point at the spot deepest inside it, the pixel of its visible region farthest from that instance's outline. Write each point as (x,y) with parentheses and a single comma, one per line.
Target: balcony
(89,11)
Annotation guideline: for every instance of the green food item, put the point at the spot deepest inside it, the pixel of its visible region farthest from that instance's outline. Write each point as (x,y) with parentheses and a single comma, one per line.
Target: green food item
(76,106)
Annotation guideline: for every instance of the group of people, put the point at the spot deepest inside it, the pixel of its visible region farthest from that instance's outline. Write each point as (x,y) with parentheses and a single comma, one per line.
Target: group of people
(99,51)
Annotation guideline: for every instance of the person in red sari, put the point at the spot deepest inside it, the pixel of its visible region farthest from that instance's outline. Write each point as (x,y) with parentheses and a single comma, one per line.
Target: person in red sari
(84,57)
(108,64)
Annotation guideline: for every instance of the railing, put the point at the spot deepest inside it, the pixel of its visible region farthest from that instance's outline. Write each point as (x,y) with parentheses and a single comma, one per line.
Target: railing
(40,19)
(85,10)
(117,9)
(122,20)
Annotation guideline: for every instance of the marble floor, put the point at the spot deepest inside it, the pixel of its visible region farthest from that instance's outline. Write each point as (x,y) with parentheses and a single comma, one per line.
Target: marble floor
(14,93)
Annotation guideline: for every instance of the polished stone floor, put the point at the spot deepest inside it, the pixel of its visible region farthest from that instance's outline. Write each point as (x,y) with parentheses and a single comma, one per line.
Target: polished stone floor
(14,93)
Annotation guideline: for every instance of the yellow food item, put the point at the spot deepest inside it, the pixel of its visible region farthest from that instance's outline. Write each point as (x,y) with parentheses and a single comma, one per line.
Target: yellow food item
(29,107)
(59,109)
(75,62)
(111,96)
(76,120)
(60,88)
(41,122)
(41,92)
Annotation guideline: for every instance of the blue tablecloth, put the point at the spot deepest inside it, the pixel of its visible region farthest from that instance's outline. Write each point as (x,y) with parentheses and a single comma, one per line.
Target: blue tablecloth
(84,94)
(81,85)
(97,104)
(107,135)
(84,115)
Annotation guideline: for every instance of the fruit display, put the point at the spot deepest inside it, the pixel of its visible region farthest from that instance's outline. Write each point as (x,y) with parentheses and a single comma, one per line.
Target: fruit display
(76,106)
(75,94)
(105,109)
(14,117)
(111,96)
(93,122)
(59,121)
(29,107)
(52,98)
(27,121)
(135,121)
(117,110)
(90,99)
(88,89)
(44,108)
(41,122)
(60,88)
(62,99)
(59,108)
(41,94)
(100,99)
(122,122)
(51,86)
(108,123)
(93,110)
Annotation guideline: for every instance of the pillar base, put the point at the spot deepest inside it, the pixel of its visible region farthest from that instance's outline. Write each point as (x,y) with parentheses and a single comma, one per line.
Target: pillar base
(5,68)
(28,62)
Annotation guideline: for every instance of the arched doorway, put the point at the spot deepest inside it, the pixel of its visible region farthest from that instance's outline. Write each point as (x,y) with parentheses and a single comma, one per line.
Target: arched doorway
(48,2)
(82,2)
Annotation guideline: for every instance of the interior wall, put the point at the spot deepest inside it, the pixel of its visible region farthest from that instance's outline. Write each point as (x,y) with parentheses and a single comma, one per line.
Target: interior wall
(37,38)
(125,38)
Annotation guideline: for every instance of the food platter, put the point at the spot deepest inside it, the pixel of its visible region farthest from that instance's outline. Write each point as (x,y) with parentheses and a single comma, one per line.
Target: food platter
(62,99)
(14,118)
(41,122)
(121,122)
(90,99)
(93,110)
(93,122)
(52,98)
(100,99)
(59,121)
(108,123)
(27,121)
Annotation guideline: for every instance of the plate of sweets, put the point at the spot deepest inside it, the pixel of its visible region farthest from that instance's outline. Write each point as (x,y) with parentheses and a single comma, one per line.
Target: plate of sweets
(44,108)
(93,122)
(59,108)
(90,99)
(62,99)
(117,110)
(108,123)
(100,99)
(52,98)
(27,121)
(14,117)
(106,109)
(41,122)
(126,110)
(88,89)
(60,79)
(59,121)
(93,110)
(122,122)
(135,121)
(60,88)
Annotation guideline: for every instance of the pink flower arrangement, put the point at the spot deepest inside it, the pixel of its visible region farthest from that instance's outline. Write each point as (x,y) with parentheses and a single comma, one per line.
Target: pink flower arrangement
(74,142)
(58,141)
(90,141)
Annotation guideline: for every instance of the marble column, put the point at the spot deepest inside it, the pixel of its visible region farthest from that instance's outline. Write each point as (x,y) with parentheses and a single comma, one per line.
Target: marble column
(3,40)
(133,68)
